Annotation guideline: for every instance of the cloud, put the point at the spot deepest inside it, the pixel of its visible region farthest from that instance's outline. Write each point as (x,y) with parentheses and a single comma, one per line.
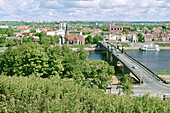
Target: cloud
(85,9)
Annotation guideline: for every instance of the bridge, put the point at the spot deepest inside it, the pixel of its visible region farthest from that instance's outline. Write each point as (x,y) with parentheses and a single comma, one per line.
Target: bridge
(149,81)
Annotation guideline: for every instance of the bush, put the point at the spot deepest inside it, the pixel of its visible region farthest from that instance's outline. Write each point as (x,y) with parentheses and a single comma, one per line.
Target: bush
(33,59)
(1,45)
(22,94)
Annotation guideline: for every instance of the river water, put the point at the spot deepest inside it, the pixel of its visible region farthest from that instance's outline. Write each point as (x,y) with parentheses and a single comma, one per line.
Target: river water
(154,60)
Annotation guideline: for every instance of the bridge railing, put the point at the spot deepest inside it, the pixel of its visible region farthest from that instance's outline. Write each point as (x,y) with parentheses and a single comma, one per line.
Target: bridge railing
(134,60)
(105,45)
(144,67)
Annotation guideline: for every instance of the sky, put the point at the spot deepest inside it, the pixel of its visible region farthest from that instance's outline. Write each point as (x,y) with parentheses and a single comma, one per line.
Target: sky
(85,10)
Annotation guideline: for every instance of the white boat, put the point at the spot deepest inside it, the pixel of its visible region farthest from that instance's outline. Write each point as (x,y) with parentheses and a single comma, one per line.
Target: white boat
(150,47)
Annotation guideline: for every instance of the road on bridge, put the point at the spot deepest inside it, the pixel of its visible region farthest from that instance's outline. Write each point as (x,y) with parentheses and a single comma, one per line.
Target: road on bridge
(150,83)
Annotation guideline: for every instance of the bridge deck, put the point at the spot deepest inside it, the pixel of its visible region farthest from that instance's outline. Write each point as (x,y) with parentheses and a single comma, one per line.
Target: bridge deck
(151,83)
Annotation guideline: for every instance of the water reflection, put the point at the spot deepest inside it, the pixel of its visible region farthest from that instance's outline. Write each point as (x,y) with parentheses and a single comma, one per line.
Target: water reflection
(154,60)
(95,55)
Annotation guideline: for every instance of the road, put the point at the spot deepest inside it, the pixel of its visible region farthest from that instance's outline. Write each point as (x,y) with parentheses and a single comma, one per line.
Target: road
(150,83)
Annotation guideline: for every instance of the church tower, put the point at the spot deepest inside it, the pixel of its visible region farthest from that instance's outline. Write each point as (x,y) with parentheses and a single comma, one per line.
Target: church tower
(66,34)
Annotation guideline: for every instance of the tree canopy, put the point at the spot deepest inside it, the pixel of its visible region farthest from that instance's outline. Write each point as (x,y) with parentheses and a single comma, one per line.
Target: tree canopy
(45,61)
(141,38)
(33,94)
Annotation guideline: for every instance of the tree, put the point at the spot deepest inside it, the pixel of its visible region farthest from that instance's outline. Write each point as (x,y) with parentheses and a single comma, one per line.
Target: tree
(163,27)
(9,43)
(33,59)
(89,39)
(135,29)
(28,39)
(2,40)
(97,38)
(86,33)
(146,32)
(141,38)
(49,40)
(125,31)
(126,85)
(102,33)
(16,41)
(41,34)
(57,27)
(33,31)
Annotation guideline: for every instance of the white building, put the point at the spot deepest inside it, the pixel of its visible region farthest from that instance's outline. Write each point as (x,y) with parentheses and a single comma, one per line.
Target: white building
(112,37)
(25,31)
(60,33)
(123,38)
(4,26)
(52,33)
(134,38)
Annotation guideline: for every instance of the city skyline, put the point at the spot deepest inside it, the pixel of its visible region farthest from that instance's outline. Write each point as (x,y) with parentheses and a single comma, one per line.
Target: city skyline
(85,10)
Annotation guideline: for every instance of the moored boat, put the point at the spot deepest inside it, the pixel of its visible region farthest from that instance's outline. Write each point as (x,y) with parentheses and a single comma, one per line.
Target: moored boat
(150,47)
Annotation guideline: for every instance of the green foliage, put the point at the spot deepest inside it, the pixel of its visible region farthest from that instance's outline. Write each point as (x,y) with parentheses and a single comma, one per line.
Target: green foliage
(8,31)
(104,28)
(125,31)
(163,27)
(126,85)
(163,73)
(1,45)
(57,27)
(146,32)
(163,44)
(49,40)
(96,39)
(9,42)
(43,61)
(125,44)
(41,34)
(33,30)
(141,38)
(78,28)
(85,46)
(22,94)
(86,33)
(89,39)
(102,33)
(28,39)
(2,40)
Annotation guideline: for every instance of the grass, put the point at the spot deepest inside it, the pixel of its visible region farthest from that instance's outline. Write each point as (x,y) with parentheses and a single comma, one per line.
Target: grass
(85,46)
(125,44)
(122,44)
(163,73)
(2,49)
(163,44)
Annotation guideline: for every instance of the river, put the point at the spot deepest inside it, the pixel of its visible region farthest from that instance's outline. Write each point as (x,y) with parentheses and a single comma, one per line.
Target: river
(154,60)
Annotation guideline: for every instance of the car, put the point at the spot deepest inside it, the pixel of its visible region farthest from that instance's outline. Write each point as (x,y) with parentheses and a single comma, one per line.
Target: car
(155,74)
(134,67)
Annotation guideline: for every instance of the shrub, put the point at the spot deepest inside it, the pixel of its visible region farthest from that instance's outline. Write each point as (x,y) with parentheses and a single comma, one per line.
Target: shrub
(23,94)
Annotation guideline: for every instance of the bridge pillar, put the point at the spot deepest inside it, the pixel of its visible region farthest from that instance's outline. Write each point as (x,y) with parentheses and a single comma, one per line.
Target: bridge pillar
(107,52)
(111,55)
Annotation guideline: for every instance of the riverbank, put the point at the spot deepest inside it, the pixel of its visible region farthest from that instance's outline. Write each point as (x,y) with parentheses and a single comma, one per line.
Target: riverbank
(137,48)
(126,48)
(87,49)
(165,78)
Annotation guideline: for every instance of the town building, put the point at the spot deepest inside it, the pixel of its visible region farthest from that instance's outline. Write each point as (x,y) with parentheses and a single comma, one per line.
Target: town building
(4,27)
(51,33)
(74,37)
(113,29)
(148,37)
(22,27)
